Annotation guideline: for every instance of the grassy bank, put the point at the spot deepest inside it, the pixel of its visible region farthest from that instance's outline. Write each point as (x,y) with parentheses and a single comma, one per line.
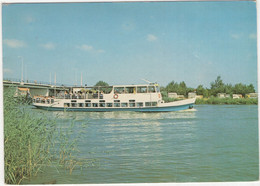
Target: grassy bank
(227,101)
(32,142)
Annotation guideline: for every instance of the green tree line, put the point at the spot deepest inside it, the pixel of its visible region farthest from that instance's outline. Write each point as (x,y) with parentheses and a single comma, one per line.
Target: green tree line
(217,86)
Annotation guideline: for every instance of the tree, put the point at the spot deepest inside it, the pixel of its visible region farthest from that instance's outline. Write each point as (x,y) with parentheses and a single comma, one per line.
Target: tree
(101,84)
(217,86)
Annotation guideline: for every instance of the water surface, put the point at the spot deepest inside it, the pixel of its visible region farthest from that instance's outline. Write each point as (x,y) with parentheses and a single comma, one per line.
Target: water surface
(213,143)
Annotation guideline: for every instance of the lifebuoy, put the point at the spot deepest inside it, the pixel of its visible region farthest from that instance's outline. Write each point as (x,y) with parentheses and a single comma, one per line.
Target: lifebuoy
(115,96)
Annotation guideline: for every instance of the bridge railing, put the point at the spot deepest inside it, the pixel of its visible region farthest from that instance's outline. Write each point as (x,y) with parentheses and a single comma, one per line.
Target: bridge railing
(35,82)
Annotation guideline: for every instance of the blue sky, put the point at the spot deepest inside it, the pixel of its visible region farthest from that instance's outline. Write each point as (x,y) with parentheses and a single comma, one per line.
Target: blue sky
(122,43)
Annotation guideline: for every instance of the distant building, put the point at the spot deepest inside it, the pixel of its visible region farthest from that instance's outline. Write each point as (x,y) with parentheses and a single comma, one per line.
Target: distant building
(172,95)
(191,95)
(199,96)
(221,95)
(181,96)
(236,96)
(227,95)
(252,95)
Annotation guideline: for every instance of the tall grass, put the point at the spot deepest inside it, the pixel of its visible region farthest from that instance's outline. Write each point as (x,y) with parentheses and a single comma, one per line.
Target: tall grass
(32,142)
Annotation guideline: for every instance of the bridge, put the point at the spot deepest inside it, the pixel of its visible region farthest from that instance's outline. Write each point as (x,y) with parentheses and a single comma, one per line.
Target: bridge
(35,88)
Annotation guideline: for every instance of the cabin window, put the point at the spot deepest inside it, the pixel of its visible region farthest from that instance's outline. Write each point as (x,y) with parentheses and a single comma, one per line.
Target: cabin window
(52,100)
(48,101)
(66,104)
(73,101)
(131,104)
(131,100)
(88,101)
(87,104)
(109,104)
(124,104)
(73,104)
(94,104)
(38,100)
(119,90)
(151,89)
(116,104)
(140,104)
(147,104)
(154,104)
(117,101)
(130,90)
(142,89)
(81,104)
(157,88)
(102,104)
(102,101)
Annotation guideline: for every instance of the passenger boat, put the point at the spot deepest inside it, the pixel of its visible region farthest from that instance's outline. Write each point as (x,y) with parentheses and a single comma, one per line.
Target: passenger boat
(140,98)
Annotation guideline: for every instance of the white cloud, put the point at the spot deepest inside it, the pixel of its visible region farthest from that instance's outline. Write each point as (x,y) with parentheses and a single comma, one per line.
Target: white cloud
(29,19)
(89,48)
(48,46)
(252,36)
(85,47)
(235,36)
(7,71)
(13,43)
(151,37)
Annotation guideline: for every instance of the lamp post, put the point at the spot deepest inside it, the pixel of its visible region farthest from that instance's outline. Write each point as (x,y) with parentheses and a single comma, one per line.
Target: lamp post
(22,69)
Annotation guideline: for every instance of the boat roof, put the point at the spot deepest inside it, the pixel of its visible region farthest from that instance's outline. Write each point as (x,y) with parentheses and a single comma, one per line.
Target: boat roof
(151,84)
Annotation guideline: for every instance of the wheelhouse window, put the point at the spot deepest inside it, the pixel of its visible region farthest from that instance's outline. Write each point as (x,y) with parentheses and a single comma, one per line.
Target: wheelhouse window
(142,89)
(119,90)
(151,89)
(130,90)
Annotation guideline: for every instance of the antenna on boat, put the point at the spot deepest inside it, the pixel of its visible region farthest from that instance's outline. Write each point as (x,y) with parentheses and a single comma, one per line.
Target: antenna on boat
(147,81)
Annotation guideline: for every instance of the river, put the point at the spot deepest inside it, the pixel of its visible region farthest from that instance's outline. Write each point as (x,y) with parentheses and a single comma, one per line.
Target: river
(212,143)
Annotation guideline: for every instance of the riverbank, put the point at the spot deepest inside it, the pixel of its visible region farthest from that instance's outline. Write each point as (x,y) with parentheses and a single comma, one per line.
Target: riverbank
(219,101)
(227,101)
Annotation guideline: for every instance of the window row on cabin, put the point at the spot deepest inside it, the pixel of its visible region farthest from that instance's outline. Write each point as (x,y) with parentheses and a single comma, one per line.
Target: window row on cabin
(115,104)
(131,90)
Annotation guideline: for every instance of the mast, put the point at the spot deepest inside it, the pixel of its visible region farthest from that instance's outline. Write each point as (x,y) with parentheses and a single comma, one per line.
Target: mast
(81,80)
(55,84)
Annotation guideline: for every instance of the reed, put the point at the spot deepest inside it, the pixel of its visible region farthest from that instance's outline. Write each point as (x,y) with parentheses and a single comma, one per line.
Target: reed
(32,141)
(27,140)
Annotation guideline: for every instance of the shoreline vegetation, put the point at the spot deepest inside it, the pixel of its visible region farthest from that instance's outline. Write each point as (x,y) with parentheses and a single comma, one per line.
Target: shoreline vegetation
(34,141)
(210,95)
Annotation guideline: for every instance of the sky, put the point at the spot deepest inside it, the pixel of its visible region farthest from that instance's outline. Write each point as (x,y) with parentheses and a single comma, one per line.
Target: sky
(123,43)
